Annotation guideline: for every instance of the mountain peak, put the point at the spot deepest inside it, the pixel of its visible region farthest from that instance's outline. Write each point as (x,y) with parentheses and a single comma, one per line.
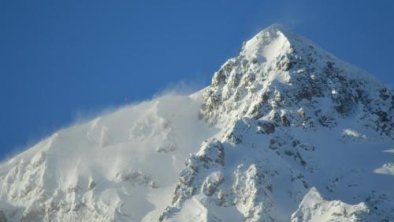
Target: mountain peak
(267,44)
(275,29)
(284,78)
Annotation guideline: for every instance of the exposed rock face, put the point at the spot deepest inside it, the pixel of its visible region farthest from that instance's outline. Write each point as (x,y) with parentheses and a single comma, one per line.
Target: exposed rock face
(314,208)
(287,132)
(282,77)
(291,116)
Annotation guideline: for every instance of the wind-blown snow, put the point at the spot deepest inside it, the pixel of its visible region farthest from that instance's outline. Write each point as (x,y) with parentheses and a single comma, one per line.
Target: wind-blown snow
(266,46)
(314,208)
(285,132)
(120,166)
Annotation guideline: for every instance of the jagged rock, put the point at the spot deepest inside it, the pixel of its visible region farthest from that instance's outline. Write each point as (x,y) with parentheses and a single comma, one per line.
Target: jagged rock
(314,208)
(265,127)
(211,183)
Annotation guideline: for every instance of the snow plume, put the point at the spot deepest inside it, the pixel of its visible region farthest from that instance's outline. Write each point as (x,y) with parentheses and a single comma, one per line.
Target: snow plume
(183,87)
(113,163)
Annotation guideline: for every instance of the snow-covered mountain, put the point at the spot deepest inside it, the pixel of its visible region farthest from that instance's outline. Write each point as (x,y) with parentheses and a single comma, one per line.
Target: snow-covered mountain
(285,132)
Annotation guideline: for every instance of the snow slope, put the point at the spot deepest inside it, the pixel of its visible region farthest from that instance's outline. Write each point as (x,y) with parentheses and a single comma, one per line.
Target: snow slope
(119,167)
(285,132)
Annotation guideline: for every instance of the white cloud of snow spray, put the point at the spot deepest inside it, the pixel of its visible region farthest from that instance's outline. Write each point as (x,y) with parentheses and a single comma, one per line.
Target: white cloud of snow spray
(145,143)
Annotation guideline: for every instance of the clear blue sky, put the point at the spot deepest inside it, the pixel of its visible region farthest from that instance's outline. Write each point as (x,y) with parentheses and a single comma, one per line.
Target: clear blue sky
(62,58)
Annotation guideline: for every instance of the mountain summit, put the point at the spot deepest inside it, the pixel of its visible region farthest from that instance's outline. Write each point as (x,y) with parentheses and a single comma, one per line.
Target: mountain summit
(279,74)
(285,132)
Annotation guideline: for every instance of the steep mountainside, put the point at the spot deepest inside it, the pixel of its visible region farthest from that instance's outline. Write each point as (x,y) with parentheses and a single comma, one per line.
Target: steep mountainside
(285,132)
